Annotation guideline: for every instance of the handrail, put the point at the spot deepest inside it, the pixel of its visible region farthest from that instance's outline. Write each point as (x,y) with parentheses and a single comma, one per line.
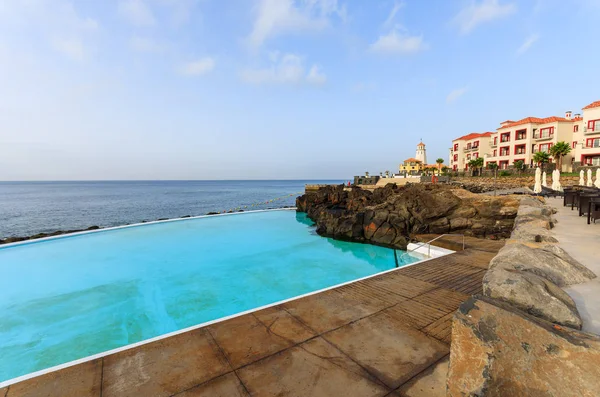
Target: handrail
(434,239)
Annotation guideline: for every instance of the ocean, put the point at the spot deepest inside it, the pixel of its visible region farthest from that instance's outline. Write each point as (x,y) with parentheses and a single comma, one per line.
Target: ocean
(28,208)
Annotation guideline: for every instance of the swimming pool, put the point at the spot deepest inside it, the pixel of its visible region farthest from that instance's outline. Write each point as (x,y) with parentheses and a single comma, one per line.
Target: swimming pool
(74,296)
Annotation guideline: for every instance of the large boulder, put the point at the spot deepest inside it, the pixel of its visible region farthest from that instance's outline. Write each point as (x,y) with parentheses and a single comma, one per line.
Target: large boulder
(545,260)
(499,351)
(532,294)
(390,215)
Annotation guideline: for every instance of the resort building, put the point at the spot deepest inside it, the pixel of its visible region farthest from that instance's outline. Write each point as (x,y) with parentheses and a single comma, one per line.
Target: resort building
(411,166)
(586,137)
(416,165)
(520,140)
(467,148)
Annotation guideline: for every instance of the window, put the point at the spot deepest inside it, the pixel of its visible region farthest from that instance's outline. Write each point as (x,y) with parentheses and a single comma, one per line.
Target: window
(591,160)
(455,147)
(504,151)
(495,140)
(475,155)
(592,142)
(594,125)
(547,132)
(468,146)
(468,157)
(574,144)
(575,128)
(456,157)
(495,153)
(520,149)
(520,134)
(505,137)
(475,144)
(545,147)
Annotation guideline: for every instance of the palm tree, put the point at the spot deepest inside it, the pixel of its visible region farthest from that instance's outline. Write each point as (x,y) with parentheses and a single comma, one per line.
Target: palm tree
(493,166)
(541,158)
(387,174)
(476,163)
(367,174)
(519,165)
(439,162)
(558,151)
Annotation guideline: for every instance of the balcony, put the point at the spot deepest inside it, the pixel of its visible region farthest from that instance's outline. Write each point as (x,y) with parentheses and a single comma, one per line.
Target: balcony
(492,144)
(588,131)
(544,137)
(470,149)
(520,138)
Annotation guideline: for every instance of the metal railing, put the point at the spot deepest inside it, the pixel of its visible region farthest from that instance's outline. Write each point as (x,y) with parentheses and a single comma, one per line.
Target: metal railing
(434,239)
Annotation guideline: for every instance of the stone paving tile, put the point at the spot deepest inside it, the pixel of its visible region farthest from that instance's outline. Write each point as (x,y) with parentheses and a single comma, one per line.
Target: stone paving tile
(328,310)
(395,283)
(442,299)
(283,324)
(3,391)
(244,340)
(430,383)
(441,329)
(415,314)
(314,368)
(387,348)
(224,386)
(164,367)
(81,380)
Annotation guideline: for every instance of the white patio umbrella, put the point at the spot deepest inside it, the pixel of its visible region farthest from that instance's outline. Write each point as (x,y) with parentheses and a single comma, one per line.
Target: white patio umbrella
(581,181)
(597,184)
(556,181)
(544,179)
(589,178)
(537,188)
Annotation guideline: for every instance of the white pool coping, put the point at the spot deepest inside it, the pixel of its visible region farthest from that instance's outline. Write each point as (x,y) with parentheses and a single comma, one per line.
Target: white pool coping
(104,229)
(435,252)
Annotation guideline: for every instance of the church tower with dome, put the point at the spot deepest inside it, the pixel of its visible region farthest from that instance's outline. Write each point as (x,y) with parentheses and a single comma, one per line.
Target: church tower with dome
(421,154)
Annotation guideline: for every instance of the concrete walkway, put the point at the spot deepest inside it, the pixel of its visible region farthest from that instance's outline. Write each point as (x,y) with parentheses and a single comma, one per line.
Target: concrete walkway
(387,335)
(582,242)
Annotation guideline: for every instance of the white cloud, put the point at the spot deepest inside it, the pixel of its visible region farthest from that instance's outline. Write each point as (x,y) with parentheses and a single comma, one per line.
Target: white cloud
(398,43)
(70,47)
(454,95)
(478,13)
(198,67)
(284,69)
(528,43)
(389,22)
(145,44)
(136,12)
(315,76)
(275,17)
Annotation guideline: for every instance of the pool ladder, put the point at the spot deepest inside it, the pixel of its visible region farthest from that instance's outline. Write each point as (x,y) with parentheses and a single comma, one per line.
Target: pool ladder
(429,245)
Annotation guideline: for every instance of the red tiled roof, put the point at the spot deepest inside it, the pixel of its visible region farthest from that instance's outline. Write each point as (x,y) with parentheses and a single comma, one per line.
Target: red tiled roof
(535,120)
(577,118)
(473,135)
(411,160)
(593,105)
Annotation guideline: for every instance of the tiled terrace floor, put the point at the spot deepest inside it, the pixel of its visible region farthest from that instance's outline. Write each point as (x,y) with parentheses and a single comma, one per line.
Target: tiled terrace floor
(375,337)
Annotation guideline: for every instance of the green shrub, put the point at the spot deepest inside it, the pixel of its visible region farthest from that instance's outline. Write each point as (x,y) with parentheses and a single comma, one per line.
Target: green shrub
(504,173)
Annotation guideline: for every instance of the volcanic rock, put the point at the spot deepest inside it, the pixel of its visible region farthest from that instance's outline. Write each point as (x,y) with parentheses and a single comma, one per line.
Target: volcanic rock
(390,215)
(497,350)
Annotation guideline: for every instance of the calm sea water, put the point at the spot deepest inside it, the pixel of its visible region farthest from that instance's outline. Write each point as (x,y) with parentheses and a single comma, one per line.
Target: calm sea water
(28,208)
(75,296)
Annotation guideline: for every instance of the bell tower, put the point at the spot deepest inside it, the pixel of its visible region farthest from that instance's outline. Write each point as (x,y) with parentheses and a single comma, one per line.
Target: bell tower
(421,154)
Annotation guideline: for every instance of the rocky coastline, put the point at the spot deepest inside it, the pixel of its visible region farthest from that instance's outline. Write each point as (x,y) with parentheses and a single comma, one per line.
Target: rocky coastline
(391,215)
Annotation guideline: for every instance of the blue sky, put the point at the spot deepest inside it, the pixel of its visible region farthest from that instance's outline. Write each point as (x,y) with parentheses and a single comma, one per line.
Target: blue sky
(208,89)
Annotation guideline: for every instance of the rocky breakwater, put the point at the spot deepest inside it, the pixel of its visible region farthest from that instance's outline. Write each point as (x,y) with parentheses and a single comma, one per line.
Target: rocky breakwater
(390,215)
(522,337)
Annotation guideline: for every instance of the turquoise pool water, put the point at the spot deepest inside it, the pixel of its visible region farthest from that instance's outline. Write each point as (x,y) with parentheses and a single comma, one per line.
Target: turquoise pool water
(68,298)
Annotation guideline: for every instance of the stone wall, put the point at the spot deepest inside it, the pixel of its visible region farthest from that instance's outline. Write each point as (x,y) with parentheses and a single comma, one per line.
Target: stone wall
(521,337)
